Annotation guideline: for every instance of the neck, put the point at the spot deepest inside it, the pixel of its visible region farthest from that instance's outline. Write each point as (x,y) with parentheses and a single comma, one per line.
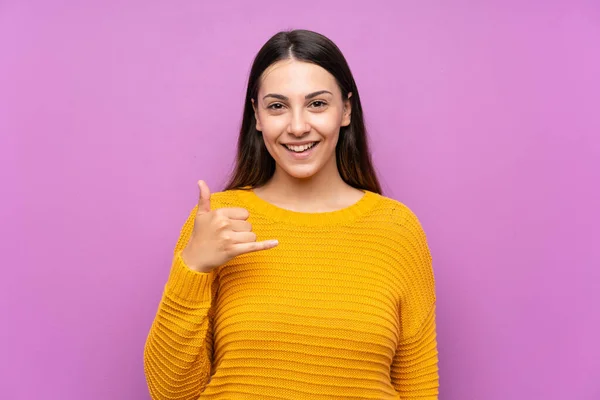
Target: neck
(308,193)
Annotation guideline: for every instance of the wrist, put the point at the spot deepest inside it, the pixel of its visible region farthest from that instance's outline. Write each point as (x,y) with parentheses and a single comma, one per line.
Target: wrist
(189,262)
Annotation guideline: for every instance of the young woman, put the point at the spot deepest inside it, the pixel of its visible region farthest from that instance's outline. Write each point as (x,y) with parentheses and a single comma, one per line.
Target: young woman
(299,280)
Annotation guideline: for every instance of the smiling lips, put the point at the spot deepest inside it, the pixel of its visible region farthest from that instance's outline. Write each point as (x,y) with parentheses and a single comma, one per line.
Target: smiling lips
(300,149)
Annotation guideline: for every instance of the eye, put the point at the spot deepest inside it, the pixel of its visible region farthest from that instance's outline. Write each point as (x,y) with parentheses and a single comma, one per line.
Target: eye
(275,106)
(314,104)
(318,104)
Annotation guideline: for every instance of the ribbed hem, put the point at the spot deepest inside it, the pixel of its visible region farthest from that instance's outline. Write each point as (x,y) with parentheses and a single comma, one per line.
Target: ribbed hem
(188,284)
(342,216)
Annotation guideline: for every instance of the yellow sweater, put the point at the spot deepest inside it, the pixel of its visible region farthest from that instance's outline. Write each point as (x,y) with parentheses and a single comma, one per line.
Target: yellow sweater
(342,308)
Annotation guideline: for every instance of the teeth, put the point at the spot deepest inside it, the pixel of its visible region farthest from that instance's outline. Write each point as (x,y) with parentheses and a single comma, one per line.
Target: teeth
(300,149)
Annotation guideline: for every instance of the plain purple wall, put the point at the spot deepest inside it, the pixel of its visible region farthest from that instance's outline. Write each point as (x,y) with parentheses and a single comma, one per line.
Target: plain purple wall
(484,119)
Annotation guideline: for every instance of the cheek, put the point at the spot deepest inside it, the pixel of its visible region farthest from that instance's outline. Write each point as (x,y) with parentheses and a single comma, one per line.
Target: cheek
(326,123)
(323,123)
(273,125)
(269,138)
(322,119)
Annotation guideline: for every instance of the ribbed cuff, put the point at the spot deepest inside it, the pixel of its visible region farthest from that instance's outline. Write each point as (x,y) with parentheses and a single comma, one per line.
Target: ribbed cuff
(188,284)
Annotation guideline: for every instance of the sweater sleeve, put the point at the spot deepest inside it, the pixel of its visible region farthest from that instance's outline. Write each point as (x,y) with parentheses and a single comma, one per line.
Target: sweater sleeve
(414,370)
(179,346)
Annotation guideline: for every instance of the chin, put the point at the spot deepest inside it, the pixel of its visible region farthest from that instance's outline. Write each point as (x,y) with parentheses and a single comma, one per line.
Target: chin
(298,172)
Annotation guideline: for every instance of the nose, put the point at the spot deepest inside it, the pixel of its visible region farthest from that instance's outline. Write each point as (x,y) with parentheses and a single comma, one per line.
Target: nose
(298,125)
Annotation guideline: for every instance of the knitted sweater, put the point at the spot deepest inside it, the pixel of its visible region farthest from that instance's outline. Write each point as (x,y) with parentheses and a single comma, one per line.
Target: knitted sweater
(342,308)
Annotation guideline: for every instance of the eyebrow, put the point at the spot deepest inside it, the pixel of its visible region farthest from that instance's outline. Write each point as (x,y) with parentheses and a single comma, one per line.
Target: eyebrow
(308,96)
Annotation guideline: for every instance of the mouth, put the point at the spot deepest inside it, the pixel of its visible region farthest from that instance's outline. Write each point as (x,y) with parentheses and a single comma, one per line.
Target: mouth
(301,152)
(301,149)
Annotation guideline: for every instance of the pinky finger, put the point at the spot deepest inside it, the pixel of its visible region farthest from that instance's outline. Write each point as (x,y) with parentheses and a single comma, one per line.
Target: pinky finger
(243,248)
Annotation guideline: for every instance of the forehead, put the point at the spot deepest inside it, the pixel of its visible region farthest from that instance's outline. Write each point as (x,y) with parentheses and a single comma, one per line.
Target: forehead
(292,76)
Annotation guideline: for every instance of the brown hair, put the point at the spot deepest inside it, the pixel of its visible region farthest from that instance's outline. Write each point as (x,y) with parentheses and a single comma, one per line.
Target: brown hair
(254,166)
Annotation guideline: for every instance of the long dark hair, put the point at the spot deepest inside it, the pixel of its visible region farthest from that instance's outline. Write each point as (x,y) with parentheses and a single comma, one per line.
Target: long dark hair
(254,166)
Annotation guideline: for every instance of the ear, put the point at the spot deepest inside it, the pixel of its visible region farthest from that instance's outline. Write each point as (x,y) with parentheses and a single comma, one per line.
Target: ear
(258,127)
(347,111)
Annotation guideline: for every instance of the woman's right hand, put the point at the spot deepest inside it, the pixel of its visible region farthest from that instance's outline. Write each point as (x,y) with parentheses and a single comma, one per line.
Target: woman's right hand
(219,235)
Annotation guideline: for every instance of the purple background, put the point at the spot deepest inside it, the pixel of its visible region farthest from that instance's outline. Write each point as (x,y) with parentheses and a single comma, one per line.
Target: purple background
(484,118)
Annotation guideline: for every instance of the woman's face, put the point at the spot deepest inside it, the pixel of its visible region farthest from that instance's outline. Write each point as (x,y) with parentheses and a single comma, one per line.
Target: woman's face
(300,103)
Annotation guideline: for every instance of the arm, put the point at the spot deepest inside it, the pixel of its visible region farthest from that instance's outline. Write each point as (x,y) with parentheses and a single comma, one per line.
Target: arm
(178,349)
(414,370)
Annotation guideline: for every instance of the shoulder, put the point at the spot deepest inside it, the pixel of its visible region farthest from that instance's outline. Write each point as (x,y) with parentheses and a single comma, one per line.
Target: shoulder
(400,213)
(406,223)
(411,245)
(227,198)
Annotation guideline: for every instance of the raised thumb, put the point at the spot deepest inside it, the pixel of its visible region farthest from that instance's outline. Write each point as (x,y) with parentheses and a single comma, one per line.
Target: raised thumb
(204,199)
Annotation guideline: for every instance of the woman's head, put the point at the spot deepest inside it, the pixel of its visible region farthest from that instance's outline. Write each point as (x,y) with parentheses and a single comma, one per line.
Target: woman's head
(301,89)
